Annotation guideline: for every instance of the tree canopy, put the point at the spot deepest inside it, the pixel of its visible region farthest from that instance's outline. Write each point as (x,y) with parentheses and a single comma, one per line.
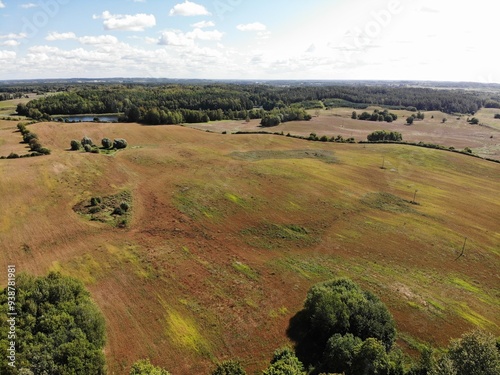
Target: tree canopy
(59,330)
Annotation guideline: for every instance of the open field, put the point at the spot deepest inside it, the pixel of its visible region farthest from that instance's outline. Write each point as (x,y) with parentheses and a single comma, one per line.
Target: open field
(456,132)
(228,232)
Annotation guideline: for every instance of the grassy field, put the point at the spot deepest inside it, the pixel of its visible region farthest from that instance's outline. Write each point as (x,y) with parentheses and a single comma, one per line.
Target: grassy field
(455,132)
(226,234)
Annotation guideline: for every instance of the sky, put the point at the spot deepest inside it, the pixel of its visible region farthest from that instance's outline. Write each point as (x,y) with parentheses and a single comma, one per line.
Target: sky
(438,40)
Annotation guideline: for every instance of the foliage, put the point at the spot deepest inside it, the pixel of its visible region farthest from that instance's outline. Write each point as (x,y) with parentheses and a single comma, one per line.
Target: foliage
(87,148)
(473,121)
(284,362)
(59,330)
(384,135)
(120,143)
(75,145)
(87,141)
(144,367)
(338,321)
(229,368)
(475,353)
(410,120)
(106,143)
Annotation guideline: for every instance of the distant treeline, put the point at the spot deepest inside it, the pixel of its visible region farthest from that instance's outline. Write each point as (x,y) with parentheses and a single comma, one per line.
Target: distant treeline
(199,103)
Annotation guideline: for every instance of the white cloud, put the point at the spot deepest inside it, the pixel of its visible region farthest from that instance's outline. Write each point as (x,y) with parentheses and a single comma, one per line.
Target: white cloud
(60,36)
(28,5)
(2,5)
(203,24)
(176,39)
(101,39)
(189,9)
(13,36)
(10,43)
(127,22)
(255,26)
(7,55)
(205,35)
(179,39)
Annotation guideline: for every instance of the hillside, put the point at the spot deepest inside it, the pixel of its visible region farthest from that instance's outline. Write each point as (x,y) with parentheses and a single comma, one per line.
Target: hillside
(228,232)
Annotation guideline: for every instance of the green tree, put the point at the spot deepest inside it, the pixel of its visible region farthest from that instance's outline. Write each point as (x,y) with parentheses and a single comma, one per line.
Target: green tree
(354,115)
(106,143)
(370,358)
(75,145)
(120,143)
(475,353)
(409,120)
(60,328)
(229,368)
(144,367)
(284,362)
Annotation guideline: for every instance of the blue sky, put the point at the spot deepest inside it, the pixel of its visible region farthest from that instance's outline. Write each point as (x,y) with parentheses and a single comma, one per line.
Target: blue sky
(249,39)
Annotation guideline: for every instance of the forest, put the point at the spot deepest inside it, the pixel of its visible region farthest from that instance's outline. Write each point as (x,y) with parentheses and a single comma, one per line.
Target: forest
(177,103)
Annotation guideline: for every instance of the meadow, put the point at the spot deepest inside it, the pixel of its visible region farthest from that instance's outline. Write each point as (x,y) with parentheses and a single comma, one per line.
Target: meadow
(226,233)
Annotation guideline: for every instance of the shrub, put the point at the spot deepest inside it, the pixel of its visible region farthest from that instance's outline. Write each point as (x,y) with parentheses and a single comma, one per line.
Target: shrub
(27,137)
(124,206)
(75,145)
(324,138)
(94,201)
(87,148)
(95,150)
(12,156)
(383,135)
(87,141)
(120,143)
(229,368)
(44,151)
(144,367)
(107,143)
(35,145)
(117,211)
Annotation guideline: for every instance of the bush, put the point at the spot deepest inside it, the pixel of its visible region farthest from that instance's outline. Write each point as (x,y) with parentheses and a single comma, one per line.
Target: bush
(95,201)
(229,368)
(34,144)
(44,151)
(13,156)
(383,135)
(87,148)
(120,143)
(28,136)
(87,141)
(124,206)
(117,211)
(284,362)
(144,367)
(107,143)
(75,145)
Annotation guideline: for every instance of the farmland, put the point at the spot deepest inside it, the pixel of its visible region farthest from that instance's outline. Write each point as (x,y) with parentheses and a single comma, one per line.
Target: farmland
(228,232)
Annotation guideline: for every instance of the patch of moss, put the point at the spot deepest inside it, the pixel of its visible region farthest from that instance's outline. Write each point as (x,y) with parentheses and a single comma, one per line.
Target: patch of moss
(270,236)
(107,209)
(387,202)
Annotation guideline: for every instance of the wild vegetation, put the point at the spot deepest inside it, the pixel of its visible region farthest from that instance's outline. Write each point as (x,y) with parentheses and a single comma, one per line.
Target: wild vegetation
(200,248)
(58,329)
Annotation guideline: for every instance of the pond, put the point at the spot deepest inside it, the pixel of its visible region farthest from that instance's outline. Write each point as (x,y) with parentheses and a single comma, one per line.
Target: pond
(86,118)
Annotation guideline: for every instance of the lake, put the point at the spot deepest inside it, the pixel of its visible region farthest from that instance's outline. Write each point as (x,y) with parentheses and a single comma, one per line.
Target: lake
(87,118)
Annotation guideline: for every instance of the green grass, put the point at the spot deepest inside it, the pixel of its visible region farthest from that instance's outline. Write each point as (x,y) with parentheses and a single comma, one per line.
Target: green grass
(387,202)
(325,156)
(271,236)
(245,270)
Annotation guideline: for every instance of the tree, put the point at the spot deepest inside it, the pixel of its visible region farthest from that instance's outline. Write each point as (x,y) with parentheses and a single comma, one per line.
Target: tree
(75,145)
(409,120)
(339,354)
(61,329)
(444,120)
(284,362)
(229,368)
(87,141)
(370,358)
(475,353)
(144,367)
(120,143)
(474,121)
(106,143)
(354,115)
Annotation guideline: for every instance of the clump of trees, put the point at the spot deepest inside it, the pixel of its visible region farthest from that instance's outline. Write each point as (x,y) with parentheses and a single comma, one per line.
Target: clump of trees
(230,367)
(377,115)
(343,328)
(89,146)
(384,135)
(277,116)
(33,142)
(59,330)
